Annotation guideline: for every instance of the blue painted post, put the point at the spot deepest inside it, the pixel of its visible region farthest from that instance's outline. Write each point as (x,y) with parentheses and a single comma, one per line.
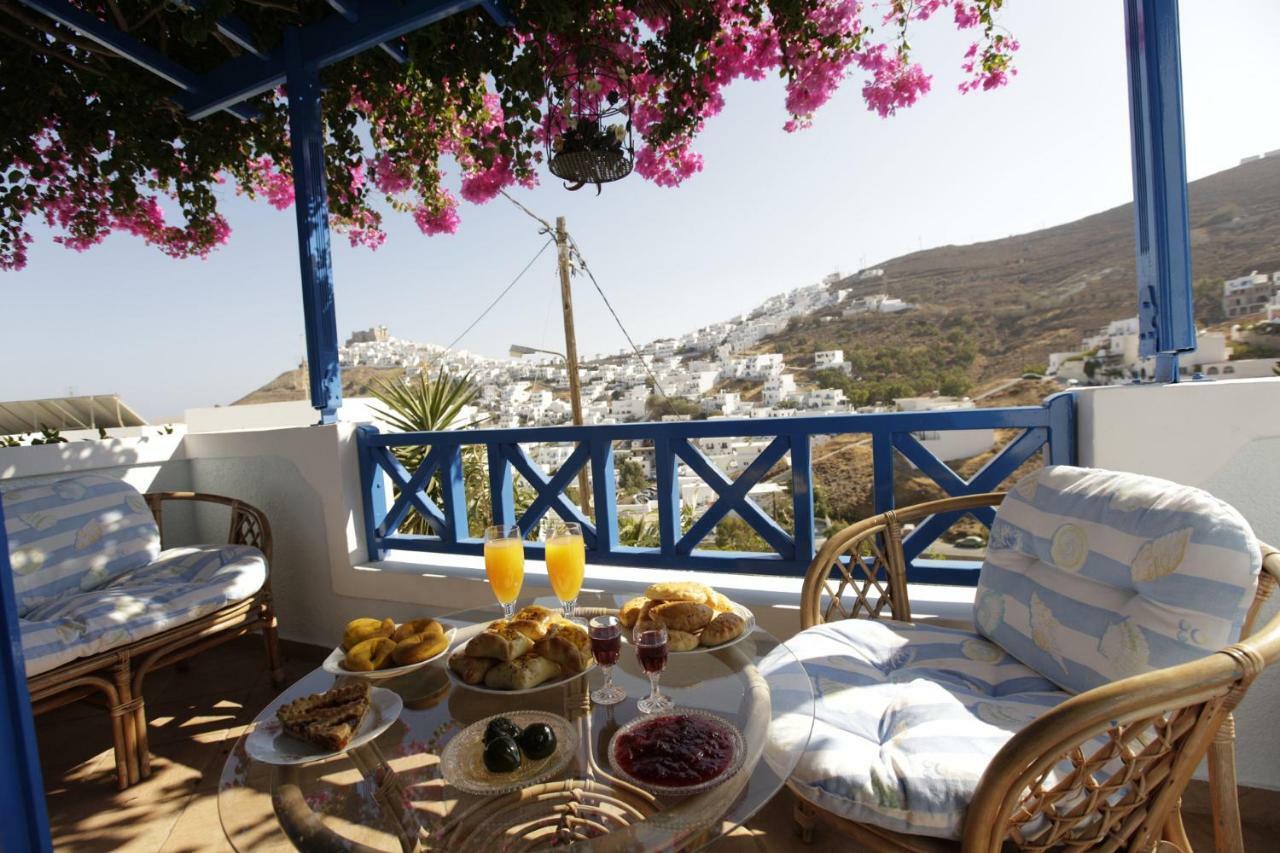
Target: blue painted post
(453,496)
(501,488)
(373,493)
(1166,313)
(664,459)
(1062,443)
(605,495)
(882,470)
(25,825)
(802,495)
(311,204)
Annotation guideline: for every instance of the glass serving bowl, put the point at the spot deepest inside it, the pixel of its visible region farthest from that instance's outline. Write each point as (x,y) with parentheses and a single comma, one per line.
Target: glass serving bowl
(735,763)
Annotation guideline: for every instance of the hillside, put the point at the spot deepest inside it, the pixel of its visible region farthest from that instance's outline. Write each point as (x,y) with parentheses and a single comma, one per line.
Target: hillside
(997,308)
(292,384)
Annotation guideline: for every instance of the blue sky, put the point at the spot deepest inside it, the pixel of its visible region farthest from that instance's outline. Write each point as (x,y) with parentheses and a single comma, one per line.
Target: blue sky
(771,211)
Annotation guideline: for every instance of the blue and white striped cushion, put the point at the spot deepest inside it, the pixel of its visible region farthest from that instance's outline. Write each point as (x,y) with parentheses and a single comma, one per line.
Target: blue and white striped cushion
(75,534)
(907,718)
(1092,576)
(182,585)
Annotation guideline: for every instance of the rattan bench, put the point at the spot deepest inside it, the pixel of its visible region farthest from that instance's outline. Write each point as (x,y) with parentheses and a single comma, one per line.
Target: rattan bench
(116,676)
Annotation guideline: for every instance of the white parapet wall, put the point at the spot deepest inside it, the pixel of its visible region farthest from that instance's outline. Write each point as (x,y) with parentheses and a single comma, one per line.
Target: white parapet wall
(1223,437)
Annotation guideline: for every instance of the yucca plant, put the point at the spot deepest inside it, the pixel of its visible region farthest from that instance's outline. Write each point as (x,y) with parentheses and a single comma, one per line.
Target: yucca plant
(431,405)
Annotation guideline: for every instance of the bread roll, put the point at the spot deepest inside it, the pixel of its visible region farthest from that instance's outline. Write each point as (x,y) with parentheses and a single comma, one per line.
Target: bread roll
(533,629)
(723,628)
(470,670)
(678,591)
(630,612)
(568,645)
(522,673)
(418,627)
(686,616)
(681,641)
(359,630)
(719,602)
(502,643)
(418,648)
(369,655)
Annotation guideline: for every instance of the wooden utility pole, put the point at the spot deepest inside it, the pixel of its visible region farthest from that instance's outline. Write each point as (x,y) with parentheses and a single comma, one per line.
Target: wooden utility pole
(571,353)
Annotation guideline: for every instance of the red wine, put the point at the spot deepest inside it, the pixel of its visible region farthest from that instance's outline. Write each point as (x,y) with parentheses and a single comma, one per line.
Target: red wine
(651,651)
(676,750)
(606,649)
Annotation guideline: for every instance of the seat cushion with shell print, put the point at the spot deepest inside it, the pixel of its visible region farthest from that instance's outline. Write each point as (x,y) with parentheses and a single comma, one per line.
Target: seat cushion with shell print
(1092,576)
(75,534)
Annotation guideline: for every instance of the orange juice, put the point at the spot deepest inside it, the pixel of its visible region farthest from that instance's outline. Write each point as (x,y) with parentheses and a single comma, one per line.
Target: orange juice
(566,558)
(504,565)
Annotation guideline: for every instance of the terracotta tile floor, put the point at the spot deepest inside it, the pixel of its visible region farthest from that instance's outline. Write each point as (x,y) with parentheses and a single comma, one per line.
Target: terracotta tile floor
(196,716)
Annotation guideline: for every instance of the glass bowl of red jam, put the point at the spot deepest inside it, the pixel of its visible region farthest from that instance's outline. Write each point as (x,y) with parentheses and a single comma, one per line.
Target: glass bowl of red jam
(677,754)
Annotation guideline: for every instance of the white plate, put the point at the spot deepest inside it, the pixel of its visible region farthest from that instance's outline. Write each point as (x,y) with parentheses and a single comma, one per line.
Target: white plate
(333,663)
(546,685)
(270,744)
(462,762)
(735,763)
(746,632)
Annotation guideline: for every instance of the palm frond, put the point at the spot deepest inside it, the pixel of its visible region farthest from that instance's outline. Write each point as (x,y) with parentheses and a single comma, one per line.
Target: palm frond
(424,405)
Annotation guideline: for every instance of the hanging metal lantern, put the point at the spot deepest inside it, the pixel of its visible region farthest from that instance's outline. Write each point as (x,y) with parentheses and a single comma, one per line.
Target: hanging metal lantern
(588,121)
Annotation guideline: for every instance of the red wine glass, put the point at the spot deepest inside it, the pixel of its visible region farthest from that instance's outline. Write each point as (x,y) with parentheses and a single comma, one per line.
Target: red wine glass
(606,646)
(651,650)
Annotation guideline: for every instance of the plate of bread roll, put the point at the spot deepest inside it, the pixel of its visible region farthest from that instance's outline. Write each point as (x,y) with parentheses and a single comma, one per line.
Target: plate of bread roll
(697,617)
(379,648)
(535,650)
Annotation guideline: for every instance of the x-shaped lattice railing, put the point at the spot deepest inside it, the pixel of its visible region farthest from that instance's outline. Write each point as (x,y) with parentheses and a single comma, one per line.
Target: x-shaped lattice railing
(550,489)
(998,469)
(734,496)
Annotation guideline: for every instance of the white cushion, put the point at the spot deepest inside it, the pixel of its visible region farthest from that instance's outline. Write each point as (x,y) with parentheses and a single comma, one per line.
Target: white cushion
(180,587)
(907,718)
(1092,576)
(75,534)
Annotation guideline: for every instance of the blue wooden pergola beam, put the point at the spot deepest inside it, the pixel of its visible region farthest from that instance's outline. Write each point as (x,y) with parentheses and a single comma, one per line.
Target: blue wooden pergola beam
(322,44)
(1166,304)
(127,47)
(232,27)
(350,9)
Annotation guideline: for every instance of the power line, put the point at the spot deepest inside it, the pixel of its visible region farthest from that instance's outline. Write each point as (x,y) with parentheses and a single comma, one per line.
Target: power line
(498,298)
(582,261)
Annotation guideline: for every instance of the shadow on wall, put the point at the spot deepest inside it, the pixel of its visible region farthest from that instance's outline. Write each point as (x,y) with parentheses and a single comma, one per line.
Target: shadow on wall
(149,463)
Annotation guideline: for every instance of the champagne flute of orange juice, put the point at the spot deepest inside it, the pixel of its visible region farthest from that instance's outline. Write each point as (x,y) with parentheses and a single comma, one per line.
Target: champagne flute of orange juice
(504,564)
(566,557)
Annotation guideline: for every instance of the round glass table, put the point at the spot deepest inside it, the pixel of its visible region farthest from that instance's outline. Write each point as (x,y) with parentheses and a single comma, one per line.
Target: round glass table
(389,793)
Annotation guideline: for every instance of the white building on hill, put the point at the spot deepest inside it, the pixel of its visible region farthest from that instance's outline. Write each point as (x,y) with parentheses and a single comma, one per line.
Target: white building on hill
(828,358)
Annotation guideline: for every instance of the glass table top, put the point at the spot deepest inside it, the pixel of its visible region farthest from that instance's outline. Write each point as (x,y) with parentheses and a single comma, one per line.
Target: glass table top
(389,795)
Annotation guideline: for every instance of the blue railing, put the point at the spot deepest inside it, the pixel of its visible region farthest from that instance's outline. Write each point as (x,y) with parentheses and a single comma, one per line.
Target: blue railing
(1050,428)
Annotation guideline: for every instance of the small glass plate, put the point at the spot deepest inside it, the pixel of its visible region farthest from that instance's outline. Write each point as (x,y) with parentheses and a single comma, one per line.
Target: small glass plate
(271,744)
(462,763)
(735,763)
(333,663)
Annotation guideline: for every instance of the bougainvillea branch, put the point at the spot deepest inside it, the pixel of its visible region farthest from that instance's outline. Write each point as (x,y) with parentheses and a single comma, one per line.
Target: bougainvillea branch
(95,145)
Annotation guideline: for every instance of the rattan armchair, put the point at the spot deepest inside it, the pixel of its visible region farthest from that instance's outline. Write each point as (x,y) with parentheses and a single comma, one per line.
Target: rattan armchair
(1132,745)
(118,674)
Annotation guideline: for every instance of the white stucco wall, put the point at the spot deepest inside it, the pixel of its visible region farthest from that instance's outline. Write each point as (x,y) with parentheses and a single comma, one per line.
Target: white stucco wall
(1225,438)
